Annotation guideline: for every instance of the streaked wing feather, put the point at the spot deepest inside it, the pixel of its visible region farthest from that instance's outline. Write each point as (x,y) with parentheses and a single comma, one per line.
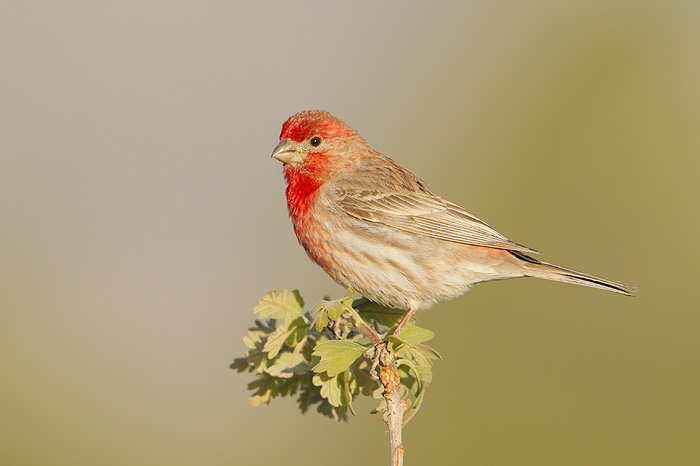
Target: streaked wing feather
(426,214)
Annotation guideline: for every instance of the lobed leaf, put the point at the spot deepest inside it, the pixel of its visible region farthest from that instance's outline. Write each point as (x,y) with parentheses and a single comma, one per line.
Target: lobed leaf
(331,388)
(336,356)
(279,305)
(274,342)
(288,365)
(240,365)
(321,319)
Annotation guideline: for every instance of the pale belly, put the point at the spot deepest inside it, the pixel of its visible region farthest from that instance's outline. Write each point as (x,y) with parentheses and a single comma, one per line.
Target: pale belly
(405,270)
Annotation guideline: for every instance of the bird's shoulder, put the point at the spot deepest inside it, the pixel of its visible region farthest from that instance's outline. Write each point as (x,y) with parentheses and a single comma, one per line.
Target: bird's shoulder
(379,176)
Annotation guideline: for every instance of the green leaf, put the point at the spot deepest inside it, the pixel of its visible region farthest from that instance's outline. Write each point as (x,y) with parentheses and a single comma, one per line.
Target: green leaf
(421,364)
(289,365)
(337,356)
(413,409)
(335,309)
(428,351)
(330,309)
(279,305)
(308,396)
(257,360)
(331,388)
(423,376)
(274,342)
(266,390)
(321,320)
(414,335)
(241,364)
(299,328)
(339,413)
(256,335)
(366,384)
(382,315)
(349,387)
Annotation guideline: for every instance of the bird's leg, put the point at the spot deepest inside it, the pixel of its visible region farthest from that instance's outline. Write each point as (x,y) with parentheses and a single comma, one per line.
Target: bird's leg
(378,352)
(404,320)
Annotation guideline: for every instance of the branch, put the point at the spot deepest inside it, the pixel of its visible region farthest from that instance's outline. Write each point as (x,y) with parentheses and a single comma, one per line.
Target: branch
(389,376)
(395,408)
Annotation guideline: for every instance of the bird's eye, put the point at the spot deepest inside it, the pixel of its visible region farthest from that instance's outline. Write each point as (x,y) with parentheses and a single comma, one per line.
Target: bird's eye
(315,141)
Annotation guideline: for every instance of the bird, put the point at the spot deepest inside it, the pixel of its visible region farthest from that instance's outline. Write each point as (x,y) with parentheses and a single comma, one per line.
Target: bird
(378,229)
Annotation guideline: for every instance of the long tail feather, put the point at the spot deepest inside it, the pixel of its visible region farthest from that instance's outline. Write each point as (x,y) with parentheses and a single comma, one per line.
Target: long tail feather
(538,269)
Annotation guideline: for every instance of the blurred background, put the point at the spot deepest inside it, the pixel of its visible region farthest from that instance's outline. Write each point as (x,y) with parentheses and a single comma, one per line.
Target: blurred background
(142,218)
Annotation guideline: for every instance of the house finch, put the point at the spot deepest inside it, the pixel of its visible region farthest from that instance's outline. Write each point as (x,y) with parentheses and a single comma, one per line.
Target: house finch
(375,227)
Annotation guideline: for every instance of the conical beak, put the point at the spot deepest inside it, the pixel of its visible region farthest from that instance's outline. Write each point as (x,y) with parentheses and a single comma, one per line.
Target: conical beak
(287,152)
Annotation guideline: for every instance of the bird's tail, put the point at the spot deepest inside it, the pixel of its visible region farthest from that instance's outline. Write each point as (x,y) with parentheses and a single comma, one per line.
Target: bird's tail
(538,269)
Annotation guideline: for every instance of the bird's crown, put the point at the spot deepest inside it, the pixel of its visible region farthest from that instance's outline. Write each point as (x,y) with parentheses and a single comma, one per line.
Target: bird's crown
(320,123)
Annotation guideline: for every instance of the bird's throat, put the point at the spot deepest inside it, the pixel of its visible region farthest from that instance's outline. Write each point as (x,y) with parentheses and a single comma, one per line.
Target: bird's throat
(302,189)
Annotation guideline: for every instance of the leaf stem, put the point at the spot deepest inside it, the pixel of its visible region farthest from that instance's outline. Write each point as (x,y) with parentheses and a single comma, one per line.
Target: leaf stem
(364,327)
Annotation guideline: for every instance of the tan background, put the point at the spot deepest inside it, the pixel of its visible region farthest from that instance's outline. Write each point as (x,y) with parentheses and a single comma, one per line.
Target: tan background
(142,218)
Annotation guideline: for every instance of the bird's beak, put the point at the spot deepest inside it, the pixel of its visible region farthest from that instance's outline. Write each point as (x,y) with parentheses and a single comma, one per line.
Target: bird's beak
(287,152)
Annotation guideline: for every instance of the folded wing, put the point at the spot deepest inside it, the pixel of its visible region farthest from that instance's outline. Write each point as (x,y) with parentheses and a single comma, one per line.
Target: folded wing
(424,213)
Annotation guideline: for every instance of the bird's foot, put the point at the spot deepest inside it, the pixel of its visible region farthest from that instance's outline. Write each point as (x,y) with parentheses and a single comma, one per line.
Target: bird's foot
(380,356)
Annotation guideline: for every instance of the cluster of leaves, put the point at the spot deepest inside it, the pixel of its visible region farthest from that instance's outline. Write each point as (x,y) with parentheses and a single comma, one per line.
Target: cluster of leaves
(321,357)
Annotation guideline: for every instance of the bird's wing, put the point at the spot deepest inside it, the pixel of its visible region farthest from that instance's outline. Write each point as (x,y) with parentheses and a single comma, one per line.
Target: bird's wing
(424,213)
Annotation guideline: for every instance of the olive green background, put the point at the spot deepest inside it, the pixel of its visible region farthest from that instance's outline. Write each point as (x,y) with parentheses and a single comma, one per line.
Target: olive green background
(142,218)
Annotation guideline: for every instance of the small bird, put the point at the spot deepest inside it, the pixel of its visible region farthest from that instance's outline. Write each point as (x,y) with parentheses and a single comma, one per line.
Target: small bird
(375,227)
